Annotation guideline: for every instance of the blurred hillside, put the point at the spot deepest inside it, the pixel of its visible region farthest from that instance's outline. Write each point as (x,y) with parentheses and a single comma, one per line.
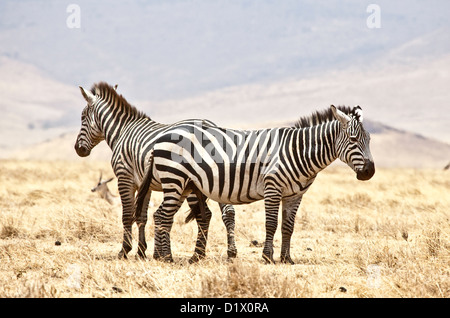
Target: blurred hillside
(391,148)
(241,64)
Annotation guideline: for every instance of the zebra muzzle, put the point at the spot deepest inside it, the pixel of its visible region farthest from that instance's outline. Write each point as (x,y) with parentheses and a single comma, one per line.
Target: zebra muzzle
(367,171)
(82,151)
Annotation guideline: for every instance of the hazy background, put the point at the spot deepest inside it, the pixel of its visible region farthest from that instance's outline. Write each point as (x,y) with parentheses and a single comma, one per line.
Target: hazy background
(240,63)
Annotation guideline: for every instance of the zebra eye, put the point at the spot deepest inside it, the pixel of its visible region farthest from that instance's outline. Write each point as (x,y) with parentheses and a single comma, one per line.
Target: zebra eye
(353,139)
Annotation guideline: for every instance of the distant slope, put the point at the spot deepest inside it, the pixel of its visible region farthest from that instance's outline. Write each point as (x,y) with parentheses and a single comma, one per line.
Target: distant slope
(390,148)
(174,49)
(33,107)
(60,148)
(413,97)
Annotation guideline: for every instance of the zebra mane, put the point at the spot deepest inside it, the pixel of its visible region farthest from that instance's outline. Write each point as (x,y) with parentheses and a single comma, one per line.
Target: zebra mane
(104,90)
(323,116)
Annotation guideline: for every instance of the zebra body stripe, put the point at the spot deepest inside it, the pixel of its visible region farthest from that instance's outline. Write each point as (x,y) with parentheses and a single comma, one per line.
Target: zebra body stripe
(131,136)
(239,167)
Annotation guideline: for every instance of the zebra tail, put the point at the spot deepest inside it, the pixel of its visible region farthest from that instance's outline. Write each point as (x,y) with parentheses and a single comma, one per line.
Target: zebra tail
(201,204)
(191,216)
(143,196)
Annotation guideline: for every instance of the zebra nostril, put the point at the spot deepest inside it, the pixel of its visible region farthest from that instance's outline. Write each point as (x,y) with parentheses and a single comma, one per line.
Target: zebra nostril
(367,171)
(82,151)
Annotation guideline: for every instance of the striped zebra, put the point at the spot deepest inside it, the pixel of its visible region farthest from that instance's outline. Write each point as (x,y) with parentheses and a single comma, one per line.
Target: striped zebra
(238,167)
(131,135)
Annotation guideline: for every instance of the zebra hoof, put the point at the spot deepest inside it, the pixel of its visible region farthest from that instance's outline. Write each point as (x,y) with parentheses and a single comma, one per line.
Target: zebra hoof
(196,258)
(287,260)
(142,255)
(166,258)
(232,254)
(268,259)
(122,255)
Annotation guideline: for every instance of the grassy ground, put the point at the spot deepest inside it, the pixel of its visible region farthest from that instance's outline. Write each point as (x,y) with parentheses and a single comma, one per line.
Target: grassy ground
(388,237)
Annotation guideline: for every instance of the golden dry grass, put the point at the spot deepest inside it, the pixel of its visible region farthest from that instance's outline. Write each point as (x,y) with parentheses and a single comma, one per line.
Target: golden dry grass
(388,237)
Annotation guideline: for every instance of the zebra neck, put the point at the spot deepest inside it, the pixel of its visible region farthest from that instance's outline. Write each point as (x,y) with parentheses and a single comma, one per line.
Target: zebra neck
(113,122)
(315,148)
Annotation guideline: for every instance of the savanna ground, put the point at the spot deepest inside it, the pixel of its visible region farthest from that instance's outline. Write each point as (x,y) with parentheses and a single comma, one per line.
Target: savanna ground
(387,237)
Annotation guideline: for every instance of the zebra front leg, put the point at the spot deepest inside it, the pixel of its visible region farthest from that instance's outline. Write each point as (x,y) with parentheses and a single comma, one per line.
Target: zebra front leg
(290,207)
(127,197)
(228,219)
(126,244)
(272,198)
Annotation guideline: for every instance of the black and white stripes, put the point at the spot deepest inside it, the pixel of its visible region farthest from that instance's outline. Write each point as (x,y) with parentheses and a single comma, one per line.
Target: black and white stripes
(238,167)
(131,135)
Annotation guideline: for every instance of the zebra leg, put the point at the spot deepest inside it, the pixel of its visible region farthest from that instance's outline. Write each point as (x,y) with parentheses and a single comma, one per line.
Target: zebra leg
(203,226)
(228,219)
(126,191)
(141,223)
(163,223)
(157,252)
(272,199)
(290,207)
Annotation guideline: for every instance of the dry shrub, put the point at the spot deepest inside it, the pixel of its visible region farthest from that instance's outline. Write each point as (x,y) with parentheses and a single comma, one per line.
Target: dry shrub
(30,289)
(433,242)
(9,228)
(398,222)
(246,280)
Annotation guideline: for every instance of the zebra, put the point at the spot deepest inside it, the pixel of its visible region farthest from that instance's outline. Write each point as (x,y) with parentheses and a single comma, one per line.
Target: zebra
(239,167)
(131,134)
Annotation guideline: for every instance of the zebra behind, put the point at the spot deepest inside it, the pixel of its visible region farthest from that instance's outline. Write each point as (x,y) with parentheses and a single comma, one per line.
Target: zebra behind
(131,135)
(238,167)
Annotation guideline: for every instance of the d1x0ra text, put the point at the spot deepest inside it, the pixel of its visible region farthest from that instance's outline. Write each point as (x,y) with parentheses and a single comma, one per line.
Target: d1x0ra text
(227,307)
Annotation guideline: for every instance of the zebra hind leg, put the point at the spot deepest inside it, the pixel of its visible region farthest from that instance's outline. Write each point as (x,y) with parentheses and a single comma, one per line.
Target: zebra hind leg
(163,224)
(228,219)
(162,240)
(157,252)
(202,237)
(290,207)
(141,223)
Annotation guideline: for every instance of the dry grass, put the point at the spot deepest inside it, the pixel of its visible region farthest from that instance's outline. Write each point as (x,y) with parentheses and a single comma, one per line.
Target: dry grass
(388,237)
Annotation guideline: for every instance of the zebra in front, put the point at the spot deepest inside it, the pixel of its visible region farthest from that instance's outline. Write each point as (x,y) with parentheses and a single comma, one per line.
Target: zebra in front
(131,135)
(238,167)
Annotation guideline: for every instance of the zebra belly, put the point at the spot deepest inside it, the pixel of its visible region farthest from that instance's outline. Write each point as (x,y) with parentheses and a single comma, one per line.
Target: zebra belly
(228,195)
(232,200)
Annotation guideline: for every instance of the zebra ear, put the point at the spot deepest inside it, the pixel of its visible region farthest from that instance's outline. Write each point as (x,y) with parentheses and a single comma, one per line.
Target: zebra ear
(88,96)
(342,117)
(357,110)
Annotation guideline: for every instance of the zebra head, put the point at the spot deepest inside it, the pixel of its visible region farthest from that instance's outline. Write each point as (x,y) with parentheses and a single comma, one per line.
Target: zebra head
(90,134)
(352,145)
